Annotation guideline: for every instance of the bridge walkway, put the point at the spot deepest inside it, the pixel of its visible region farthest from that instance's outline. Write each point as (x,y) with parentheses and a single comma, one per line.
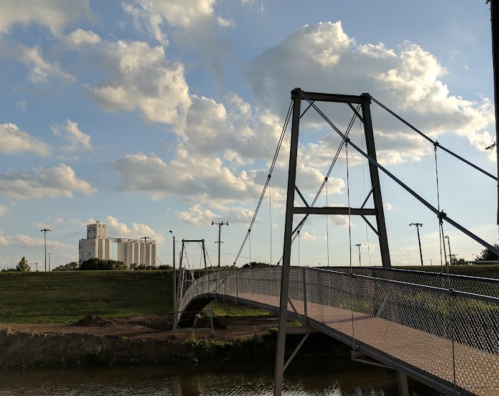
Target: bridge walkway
(434,357)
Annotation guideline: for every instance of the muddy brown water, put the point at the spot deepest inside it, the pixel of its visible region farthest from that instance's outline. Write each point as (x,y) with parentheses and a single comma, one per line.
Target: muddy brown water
(340,377)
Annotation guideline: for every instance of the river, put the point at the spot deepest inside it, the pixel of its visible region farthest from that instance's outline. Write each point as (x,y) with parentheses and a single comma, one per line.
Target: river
(340,377)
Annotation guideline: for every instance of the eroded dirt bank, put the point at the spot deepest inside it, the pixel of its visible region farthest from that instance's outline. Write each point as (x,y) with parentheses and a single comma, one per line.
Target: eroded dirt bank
(125,341)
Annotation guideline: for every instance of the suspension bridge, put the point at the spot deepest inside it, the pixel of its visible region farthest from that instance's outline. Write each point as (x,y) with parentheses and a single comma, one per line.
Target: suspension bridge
(440,329)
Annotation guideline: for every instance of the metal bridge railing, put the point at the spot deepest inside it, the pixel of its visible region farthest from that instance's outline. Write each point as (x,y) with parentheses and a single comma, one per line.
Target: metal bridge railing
(450,334)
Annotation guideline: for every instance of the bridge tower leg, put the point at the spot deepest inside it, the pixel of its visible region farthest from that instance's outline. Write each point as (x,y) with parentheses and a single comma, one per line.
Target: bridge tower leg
(297,95)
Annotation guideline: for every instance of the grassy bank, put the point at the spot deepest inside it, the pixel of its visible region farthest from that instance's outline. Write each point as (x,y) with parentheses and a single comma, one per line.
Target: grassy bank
(64,297)
(483,271)
(57,297)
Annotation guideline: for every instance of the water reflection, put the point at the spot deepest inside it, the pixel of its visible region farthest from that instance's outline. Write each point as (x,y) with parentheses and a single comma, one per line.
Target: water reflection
(305,378)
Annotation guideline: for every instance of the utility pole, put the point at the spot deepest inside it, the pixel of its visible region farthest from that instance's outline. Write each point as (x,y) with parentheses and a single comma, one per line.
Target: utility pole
(37,264)
(45,230)
(145,238)
(50,254)
(419,239)
(450,252)
(174,288)
(359,245)
(494,20)
(219,236)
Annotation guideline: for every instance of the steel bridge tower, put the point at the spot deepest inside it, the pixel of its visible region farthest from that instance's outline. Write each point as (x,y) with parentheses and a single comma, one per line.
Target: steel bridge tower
(297,96)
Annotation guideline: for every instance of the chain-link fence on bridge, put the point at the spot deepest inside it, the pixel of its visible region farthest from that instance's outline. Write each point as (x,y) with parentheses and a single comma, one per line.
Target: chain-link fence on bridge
(446,334)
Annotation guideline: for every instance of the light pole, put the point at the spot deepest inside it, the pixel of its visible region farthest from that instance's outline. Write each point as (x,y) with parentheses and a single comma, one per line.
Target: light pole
(450,253)
(219,236)
(174,288)
(419,239)
(50,255)
(37,264)
(45,230)
(145,238)
(359,245)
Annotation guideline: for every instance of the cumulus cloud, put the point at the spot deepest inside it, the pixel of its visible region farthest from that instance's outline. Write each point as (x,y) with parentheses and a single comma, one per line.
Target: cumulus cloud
(136,76)
(76,138)
(155,16)
(197,216)
(53,14)
(407,79)
(25,241)
(14,141)
(40,70)
(60,181)
(187,175)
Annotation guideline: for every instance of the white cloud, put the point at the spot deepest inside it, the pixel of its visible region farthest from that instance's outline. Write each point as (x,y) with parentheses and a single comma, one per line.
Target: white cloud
(155,16)
(54,14)
(197,216)
(80,36)
(25,241)
(409,80)
(76,138)
(14,141)
(136,76)
(3,210)
(60,181)
(22,105)
(117,229)
(192,176)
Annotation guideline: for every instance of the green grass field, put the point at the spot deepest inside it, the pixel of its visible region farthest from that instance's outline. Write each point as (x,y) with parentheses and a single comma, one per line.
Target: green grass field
(64,297)
(40,297)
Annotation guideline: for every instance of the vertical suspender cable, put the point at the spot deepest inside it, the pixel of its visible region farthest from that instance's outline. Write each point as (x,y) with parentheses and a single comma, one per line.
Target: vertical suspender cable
(350,244)
(327,227)
(270,216)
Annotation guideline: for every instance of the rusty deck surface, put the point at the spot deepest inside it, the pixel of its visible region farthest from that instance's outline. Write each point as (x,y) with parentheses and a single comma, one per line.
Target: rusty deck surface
(476,371)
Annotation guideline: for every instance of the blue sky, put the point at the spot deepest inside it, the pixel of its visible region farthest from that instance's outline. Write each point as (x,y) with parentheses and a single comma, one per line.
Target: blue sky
(164,115)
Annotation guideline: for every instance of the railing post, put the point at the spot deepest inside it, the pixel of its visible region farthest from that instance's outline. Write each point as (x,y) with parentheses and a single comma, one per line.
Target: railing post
(237,286)
(305,295)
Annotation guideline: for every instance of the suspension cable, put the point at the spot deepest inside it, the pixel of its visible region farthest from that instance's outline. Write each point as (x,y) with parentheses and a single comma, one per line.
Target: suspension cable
(433,141)
(267,182)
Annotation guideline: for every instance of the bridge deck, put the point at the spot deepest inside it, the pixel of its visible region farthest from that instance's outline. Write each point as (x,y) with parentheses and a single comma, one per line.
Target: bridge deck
(418,352)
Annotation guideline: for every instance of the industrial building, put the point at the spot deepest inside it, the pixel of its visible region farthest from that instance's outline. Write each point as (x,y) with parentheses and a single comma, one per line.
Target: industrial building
(130,251)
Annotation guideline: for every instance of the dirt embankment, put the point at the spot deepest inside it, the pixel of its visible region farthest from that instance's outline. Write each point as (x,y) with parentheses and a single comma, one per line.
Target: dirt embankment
(135,340)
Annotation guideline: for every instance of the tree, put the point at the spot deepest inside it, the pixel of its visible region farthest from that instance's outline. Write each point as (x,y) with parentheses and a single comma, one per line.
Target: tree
(23,265)
(486,254)
(72,266)
(95,264)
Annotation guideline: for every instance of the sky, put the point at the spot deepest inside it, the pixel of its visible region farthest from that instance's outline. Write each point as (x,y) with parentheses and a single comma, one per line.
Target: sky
(159,116)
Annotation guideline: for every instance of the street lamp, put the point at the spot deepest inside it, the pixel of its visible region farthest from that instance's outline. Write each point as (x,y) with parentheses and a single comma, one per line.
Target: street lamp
(174,288)
(359,245)
(219,236)
(419,239)
(45,230)
(145,238)
(450,253)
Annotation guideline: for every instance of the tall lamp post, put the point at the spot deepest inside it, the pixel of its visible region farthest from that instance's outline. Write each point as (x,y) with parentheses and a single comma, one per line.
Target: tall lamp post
(174,288)
(450,253)
(145,238)
(419,239)
(45,230)
(359,245)
(219,236)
